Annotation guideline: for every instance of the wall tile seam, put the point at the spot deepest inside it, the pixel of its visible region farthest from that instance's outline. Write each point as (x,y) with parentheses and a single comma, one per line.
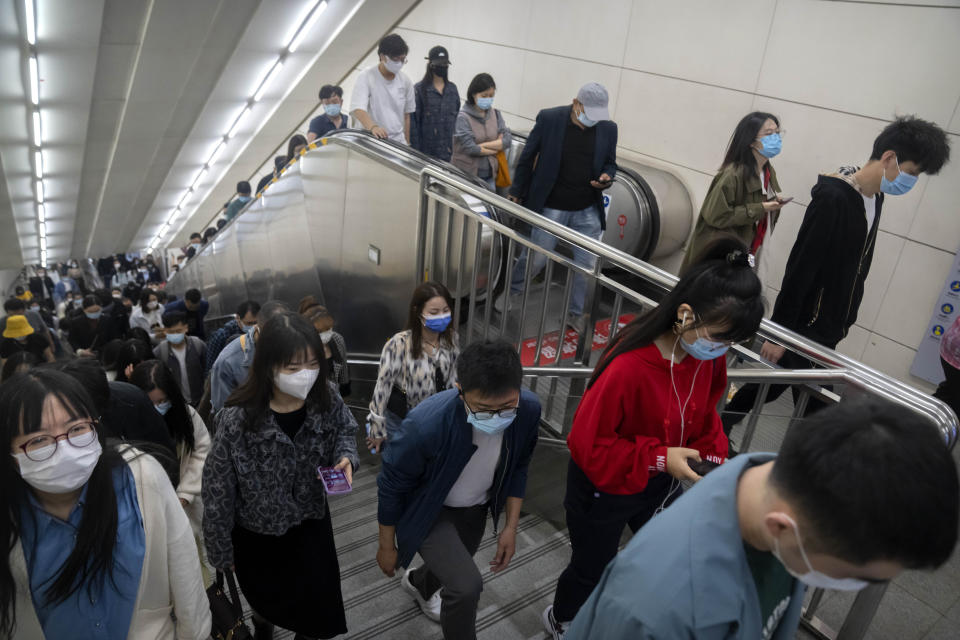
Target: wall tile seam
(669,77)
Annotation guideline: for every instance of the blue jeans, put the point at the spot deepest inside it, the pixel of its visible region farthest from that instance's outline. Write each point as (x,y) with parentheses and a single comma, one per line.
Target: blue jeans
(585,221)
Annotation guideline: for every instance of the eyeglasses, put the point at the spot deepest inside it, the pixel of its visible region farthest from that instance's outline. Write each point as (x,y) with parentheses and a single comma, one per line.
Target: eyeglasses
(43,447)
(509,412)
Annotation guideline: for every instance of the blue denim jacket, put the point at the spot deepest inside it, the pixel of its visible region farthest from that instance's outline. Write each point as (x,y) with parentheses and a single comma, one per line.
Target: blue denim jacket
(431,126)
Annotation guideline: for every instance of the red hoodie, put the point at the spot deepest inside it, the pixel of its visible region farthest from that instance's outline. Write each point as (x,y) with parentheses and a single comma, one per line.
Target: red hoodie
(631,414)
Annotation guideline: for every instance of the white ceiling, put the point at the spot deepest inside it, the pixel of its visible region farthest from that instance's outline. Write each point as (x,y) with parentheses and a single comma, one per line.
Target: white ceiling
(135,94)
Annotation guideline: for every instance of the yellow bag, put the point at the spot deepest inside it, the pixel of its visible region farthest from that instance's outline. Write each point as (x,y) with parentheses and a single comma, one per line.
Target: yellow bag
(503,171)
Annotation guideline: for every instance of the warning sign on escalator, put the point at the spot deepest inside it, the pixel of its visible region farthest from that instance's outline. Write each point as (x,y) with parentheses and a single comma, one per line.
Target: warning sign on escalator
(551,342)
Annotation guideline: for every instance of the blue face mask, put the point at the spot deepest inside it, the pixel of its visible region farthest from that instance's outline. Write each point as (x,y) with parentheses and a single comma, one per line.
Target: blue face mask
(771,145)
(484,103)
(900,185)
(332,110)
(163,407)
(437,323)
(177,338)
(492,425)
(703,349)
(584,120)
(95,315)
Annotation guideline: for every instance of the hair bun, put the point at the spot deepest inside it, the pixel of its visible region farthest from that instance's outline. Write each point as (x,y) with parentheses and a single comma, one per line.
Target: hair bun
(739,258)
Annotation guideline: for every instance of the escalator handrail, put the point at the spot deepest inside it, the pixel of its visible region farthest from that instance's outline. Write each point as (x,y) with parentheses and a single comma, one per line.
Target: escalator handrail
(936,410)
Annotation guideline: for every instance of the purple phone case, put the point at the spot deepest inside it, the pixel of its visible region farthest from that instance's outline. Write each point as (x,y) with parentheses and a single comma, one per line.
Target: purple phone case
(334,481)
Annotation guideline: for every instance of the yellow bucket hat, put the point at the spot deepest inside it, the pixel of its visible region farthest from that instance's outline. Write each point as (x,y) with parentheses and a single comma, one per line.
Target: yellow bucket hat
(17,327)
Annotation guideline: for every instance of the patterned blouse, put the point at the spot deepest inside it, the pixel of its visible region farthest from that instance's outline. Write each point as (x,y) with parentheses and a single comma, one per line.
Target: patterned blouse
(416,377)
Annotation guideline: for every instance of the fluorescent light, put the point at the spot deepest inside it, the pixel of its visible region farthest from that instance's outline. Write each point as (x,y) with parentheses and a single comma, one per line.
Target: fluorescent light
(41,213)
(34,81)
(31,22)
(216,153)
(267,80)
(38,163)
(184,198)
(305,29)
(43,230)
(297,27)
(36,129)
(236,123)
(199,177)
(39,191)
(43,244)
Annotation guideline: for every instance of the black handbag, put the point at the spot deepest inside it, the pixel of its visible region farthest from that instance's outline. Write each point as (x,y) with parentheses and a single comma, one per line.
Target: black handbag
(397,403)
(226,611)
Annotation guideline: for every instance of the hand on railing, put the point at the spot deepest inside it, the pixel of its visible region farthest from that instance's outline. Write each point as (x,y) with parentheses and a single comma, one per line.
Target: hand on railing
(772,351)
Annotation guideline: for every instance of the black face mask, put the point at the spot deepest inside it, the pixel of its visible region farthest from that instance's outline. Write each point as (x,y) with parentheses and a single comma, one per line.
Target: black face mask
(439,70)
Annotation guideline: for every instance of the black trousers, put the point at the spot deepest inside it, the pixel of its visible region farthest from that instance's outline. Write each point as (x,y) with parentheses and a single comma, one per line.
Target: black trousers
(595,521)
(949,389)
(742,403)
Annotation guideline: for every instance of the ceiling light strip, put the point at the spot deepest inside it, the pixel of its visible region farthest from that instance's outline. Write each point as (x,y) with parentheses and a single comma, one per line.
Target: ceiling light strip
(305,27)
(267,79)
(34,81)
(31,22)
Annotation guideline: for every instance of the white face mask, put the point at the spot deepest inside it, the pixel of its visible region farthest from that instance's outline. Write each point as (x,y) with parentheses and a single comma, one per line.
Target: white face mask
(152,305)
(393,66)
(813,578)
(66,470)
(297,384)
(326,336)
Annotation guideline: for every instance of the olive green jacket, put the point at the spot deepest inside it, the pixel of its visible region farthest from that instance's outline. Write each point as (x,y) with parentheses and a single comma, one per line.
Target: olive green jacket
(733,205)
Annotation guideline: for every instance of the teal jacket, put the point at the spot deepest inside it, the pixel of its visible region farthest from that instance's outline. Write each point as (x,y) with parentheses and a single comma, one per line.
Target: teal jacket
(685,574)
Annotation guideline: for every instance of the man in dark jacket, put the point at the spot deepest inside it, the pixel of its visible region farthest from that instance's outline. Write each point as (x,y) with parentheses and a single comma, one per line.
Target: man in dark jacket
(569,159)
(830,260)
(195,309)
(186,356)
(458,455)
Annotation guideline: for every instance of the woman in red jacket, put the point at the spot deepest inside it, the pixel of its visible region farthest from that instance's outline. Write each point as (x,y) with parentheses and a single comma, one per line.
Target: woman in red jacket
(650,407)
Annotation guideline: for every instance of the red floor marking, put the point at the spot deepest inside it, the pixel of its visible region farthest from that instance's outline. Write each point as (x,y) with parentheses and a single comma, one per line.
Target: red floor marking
(548,349)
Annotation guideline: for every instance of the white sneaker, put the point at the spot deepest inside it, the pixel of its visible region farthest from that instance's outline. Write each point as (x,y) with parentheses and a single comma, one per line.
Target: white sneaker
(554,629)
(577,323)
(514,300)
(431,607)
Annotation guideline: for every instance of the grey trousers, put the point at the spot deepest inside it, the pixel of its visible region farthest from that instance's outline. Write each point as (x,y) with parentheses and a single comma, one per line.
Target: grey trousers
(447,553)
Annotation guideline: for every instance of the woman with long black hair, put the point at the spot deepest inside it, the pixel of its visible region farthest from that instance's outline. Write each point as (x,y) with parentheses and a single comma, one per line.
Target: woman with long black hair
(416,363)
(265,509)
(438,102)
(744,197)
(98,544)
(187,429)
(649,409)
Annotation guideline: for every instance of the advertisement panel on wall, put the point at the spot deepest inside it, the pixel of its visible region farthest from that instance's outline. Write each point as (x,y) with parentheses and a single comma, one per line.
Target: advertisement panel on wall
(926,363)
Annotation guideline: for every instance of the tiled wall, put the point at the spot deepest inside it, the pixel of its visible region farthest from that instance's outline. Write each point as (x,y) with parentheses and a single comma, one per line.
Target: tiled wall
(681,73)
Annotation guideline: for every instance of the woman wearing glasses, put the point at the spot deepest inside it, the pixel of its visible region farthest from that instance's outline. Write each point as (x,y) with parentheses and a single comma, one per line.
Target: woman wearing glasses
(649,414)
(744,197)
(99,544)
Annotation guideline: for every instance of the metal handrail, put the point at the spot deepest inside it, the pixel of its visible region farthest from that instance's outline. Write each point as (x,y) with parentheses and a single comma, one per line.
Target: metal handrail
(881,384)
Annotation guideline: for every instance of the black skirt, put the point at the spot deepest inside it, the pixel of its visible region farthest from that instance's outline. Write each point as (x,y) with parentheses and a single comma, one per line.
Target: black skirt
(293,580)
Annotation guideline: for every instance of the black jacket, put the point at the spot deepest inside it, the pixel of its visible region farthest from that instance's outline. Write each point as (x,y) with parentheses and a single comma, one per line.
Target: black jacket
(539,164)
(131,416)
(823,283)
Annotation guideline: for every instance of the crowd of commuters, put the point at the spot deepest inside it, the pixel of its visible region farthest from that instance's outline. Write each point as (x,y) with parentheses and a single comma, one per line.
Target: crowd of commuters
(146,456)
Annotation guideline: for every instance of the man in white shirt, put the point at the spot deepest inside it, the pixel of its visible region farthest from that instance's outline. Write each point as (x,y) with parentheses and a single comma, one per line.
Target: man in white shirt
(383,98)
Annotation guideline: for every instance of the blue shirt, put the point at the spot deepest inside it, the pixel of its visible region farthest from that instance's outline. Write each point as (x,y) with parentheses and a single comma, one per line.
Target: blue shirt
(322,125)
(102,612)
(235,206)
(219,340)
(432,124)
(230,370)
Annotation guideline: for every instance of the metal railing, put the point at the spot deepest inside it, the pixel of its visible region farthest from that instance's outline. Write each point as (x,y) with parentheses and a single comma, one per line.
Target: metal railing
(617,283)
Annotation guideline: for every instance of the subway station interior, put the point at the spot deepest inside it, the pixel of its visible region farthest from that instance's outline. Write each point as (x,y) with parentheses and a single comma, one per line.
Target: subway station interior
(156,150)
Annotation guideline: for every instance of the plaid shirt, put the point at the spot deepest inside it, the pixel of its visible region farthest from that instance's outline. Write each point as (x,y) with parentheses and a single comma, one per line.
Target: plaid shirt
(219,340)
(432,124)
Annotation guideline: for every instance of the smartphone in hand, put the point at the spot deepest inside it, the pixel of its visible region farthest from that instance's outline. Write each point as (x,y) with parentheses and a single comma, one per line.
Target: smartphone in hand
(334,480)
(703,467)
(785,200)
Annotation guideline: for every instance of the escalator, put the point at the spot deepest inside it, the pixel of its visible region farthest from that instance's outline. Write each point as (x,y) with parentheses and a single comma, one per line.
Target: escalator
(341,224)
